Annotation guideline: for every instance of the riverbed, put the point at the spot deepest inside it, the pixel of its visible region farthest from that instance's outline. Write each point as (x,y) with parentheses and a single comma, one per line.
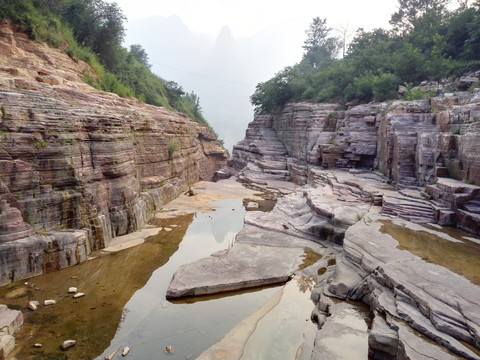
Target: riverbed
(124,302)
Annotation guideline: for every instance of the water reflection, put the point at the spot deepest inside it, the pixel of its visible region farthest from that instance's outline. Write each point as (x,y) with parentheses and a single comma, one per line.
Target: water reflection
(125,297)
(151,322)
(108,281)
(460,256)
(286,332)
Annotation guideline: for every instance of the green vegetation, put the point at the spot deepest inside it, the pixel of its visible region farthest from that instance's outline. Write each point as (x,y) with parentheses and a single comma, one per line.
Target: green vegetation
(172,146)
(4,111)
(427,42)
(40,144)
(93,31)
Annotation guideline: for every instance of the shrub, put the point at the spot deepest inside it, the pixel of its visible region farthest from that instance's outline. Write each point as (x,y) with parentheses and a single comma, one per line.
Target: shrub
(385,86)
(40,144)
(172,147)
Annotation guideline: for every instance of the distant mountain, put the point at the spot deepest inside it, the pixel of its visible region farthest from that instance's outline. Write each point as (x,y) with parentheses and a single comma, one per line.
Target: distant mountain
(223,71)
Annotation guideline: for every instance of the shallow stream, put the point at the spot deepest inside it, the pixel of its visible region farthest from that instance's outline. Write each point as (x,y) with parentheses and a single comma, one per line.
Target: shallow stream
(125,301)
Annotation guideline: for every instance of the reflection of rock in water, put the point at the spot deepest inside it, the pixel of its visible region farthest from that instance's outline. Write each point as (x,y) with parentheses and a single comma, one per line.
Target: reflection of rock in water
(456,254)
(109,281)
(226,222)
(345,334)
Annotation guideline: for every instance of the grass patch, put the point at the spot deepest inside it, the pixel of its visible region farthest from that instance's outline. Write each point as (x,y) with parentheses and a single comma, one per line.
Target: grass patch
(172,147)
(40,144)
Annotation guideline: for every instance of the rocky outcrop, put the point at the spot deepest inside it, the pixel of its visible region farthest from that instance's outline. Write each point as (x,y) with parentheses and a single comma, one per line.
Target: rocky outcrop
(10,322)
(411,143)
(405,291)
(79,166)
(268,250)
(420,281)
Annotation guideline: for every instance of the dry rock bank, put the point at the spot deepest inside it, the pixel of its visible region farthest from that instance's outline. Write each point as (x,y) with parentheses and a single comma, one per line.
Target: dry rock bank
(79,166)
(379,183)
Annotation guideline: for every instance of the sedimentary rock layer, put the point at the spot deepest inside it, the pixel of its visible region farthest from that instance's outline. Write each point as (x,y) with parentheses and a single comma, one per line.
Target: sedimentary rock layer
(74,158)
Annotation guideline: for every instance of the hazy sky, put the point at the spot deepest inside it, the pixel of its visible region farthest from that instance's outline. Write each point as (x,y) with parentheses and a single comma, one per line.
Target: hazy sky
(245,17)
(268,35)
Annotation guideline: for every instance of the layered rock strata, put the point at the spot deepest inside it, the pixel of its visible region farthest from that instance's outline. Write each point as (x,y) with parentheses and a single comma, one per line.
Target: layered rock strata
(411,143)
(419,281)
(79,166)
(421,306)
(404,292)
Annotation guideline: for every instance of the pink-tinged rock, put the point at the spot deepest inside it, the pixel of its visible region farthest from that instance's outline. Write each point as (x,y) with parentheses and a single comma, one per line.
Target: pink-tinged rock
(72,157)
(10,320)
(7,344)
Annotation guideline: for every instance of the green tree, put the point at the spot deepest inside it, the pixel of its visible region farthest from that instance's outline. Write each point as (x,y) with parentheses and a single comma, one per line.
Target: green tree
(139,53)
(317,34)
(319,46)
(471,50)
(98,25)
(410,10)
(409,64)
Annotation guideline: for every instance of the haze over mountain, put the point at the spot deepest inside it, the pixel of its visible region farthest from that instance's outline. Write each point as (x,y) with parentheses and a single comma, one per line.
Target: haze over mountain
(222,71)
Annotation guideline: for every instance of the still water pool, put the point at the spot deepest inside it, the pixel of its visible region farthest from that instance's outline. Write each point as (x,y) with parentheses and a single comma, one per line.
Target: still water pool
(150,322)
(125,301)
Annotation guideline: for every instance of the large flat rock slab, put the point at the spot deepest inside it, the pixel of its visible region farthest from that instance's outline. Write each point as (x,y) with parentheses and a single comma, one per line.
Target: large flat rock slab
(433,299)
(269,250)
(243,266)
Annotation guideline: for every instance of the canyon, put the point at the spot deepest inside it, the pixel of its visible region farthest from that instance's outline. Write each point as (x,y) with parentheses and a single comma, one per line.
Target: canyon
(386,194)
(355,186)
(78,166)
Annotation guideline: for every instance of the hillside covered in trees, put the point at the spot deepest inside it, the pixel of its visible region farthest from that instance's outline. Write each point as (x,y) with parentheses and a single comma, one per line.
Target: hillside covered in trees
(428,40)
(93,31)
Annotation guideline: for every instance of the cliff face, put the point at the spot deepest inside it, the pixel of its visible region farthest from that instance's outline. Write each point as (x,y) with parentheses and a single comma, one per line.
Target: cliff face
(79,166)
(412,143)
(429,151)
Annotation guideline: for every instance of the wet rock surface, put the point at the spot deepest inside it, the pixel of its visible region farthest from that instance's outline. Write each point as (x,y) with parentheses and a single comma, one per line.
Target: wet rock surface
(419,305)
(265,252)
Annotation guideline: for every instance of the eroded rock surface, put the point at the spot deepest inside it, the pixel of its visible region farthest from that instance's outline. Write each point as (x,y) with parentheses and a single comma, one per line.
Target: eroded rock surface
(10,323)
(72,157)
(422,300)
(411,143)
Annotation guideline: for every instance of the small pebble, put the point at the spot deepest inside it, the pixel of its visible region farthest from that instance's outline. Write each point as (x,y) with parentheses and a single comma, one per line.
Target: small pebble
(37,345)
(72,290)
(33,305)
(169,349)
(78,295)
(68,344)
(49,302)
(126,350)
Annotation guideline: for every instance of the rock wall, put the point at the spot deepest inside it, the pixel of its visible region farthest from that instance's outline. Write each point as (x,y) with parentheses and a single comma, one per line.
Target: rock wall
(79,166)
(412,143)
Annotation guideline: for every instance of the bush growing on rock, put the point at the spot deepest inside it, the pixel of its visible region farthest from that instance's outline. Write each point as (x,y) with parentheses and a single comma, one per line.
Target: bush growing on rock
(427,43)
(172,147)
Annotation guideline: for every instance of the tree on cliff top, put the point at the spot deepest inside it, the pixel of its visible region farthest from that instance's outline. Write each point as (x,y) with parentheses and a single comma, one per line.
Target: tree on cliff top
(409,11)
(93,31)
(319,46)
(429,42)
